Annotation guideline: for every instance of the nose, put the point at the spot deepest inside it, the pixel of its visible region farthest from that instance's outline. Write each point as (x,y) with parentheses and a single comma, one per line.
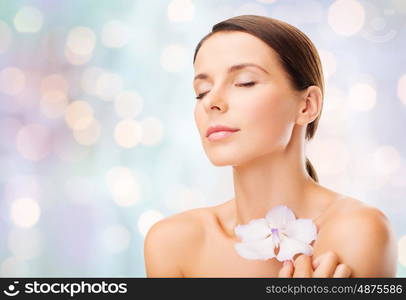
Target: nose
(216,102)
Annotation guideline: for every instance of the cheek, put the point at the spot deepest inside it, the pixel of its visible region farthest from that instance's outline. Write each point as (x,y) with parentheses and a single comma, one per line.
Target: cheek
(268,118)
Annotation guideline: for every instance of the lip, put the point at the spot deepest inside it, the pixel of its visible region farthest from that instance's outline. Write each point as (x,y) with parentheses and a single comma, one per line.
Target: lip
(217,128)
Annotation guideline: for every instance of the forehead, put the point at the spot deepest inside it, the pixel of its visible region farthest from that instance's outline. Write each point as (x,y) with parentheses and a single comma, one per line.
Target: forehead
(232,47)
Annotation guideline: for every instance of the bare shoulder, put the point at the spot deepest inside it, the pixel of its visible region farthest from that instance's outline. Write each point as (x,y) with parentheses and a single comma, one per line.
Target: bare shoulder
(170,241)
(363,238)
(360,217)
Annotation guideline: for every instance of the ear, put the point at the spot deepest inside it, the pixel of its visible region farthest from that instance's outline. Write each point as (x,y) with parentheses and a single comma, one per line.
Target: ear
(310,105)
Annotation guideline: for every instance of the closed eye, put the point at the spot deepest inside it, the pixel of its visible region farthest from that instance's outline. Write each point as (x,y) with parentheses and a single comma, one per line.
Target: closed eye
(200,96)
(251,83)
(246,84)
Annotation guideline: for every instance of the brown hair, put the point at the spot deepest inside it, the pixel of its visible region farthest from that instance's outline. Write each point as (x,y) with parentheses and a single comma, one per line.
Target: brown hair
(296,52)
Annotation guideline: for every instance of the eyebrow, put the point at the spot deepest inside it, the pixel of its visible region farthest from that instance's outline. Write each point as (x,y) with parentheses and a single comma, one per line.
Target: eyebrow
(232,69)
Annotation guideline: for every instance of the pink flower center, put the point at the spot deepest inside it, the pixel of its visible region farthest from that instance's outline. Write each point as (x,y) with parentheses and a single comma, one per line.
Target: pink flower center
(275,237)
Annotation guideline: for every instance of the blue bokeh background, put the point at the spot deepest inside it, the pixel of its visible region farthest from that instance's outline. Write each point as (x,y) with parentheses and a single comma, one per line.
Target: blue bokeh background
(98,140)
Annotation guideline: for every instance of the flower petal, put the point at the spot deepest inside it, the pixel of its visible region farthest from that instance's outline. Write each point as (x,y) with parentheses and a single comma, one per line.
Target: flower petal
(302,229)
(290,247)
(256,229)
(280,216)
(260,249)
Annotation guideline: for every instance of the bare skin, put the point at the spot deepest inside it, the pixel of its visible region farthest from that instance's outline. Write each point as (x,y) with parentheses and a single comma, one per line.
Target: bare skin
(267,156)
(199,243)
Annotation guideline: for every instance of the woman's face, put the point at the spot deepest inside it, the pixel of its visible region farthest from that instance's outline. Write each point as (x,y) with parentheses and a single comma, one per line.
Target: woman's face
(259,101)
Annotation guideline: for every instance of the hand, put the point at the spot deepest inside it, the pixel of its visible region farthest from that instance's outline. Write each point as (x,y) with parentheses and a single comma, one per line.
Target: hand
(326,265)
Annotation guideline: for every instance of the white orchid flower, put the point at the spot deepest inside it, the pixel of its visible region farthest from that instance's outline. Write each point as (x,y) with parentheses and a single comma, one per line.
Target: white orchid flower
(279,229)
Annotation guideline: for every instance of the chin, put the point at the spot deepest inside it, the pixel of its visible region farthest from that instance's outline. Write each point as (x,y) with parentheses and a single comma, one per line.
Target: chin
(222,162)
(227,159)
(221,158)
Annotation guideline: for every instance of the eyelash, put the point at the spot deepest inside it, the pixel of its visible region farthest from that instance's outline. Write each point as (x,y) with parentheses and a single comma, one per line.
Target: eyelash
(247,84)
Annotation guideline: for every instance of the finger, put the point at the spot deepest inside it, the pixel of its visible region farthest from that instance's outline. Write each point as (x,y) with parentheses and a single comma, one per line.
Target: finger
(326,265)
(303,266)
(342,271)
(316,261)
(287,269)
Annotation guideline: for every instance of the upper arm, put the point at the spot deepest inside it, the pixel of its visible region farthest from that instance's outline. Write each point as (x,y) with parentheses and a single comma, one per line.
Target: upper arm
(159,250)
(366,243)
(168,244)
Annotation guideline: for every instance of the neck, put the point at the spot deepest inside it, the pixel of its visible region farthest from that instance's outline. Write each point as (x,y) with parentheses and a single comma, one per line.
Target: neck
(277,178)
